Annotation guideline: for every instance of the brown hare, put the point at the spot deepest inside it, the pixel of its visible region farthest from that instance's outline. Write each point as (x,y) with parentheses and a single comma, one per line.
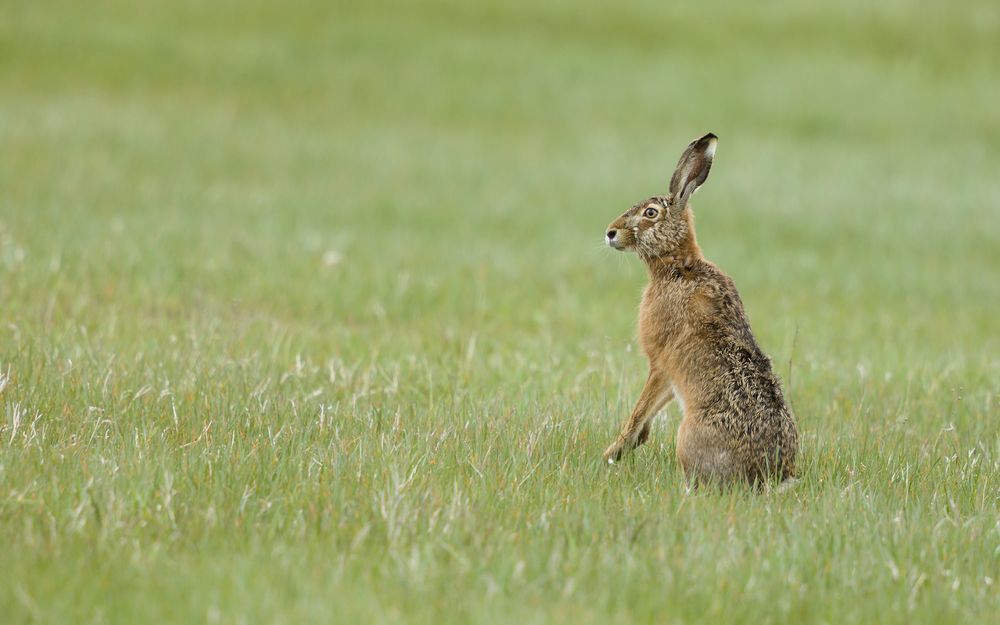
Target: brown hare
(736,425)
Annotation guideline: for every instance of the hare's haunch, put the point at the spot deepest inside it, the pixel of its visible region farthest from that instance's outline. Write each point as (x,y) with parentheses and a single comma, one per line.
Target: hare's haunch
(692,327)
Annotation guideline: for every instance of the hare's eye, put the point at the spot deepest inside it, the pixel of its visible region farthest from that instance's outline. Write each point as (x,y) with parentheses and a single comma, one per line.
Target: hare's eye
(650,212)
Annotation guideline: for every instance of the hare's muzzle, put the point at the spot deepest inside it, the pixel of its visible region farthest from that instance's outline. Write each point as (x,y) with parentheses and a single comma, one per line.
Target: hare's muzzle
(611,238)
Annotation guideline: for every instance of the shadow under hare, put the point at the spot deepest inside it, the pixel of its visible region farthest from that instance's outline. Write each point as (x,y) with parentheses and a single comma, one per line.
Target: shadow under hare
(692,327)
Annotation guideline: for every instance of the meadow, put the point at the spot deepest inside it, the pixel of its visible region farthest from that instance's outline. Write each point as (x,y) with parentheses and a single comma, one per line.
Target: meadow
(305,314)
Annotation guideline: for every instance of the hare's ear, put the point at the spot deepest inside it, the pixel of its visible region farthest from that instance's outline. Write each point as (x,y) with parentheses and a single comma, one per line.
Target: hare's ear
(692,169)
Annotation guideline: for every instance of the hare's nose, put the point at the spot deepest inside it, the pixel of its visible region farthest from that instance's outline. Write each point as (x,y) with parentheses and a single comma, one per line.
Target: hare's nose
(611,234)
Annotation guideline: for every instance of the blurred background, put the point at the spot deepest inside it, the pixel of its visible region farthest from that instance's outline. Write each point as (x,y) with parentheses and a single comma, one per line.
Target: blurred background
(453,164)
(441,164)
(235,215)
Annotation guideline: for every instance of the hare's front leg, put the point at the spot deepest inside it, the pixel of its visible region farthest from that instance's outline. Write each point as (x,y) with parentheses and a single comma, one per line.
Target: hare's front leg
(655,395)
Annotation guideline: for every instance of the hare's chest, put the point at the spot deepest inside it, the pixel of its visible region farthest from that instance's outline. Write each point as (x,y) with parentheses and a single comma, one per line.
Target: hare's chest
(662,321)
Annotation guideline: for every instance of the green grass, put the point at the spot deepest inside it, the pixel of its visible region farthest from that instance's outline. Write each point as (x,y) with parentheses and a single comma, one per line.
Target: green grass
(304,314)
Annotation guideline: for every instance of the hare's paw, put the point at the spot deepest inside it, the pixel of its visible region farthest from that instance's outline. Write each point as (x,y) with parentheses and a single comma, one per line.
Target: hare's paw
(614,453)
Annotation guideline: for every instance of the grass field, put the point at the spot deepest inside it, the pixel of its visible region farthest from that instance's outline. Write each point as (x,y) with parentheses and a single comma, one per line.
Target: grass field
(305,315)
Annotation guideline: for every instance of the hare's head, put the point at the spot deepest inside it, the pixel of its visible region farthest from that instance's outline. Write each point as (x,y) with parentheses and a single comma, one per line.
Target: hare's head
(660,225)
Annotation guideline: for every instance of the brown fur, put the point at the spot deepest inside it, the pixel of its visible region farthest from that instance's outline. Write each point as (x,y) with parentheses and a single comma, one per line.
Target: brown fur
(695,333)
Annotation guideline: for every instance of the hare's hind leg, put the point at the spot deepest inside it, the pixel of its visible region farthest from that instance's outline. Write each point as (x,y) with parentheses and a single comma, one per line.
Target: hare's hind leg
(705,456)
(655,395)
